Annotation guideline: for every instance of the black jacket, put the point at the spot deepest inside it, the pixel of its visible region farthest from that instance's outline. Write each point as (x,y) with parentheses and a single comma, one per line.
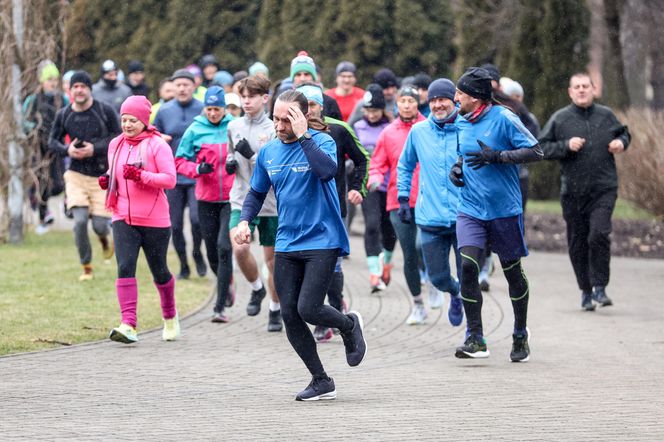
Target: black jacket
(98,125)
(593,168)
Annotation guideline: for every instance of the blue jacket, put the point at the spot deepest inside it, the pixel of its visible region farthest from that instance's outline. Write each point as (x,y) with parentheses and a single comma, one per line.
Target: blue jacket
(173,119)
(435,148)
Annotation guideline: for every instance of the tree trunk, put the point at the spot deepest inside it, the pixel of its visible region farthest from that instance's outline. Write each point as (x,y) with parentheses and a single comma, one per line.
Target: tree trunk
(615,90)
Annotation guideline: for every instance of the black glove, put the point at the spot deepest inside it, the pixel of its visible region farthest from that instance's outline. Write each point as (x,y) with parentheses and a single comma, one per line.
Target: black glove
(231,166)
(483,157)
(456,173)
(404,212)
(204,168)
(244,149)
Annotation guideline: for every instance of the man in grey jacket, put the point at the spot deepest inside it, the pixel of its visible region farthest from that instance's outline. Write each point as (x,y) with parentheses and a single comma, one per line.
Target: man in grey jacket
(246,136)
(109,89)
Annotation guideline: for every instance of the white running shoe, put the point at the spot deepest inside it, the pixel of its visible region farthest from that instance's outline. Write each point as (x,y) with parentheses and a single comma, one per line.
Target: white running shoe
(436,297)
(418,315)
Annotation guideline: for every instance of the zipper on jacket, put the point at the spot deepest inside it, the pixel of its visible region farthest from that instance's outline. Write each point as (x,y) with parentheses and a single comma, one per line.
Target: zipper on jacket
(127,188)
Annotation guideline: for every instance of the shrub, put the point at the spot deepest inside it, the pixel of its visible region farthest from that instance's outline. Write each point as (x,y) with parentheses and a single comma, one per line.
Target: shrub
(641,168)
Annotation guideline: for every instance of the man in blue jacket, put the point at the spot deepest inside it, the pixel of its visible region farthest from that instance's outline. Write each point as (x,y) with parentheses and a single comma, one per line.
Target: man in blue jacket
(433,144)
(172,120)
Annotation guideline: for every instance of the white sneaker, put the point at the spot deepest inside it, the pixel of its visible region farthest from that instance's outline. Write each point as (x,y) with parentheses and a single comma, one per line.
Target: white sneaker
(418,315)
(171,329)
(436,297)
(41,229)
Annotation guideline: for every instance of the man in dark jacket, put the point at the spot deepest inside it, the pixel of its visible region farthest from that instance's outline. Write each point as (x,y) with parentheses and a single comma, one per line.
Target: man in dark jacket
(90,125)
(584,137)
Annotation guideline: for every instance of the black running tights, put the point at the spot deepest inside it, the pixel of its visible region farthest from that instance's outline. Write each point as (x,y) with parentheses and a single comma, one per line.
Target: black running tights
(302,279)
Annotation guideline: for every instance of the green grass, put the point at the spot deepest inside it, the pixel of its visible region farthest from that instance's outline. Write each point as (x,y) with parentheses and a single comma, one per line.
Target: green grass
(624,209)
(43,303)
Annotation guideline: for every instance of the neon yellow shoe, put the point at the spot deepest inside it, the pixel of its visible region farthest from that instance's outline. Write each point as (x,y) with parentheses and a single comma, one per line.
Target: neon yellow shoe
(171,329)
(125,333)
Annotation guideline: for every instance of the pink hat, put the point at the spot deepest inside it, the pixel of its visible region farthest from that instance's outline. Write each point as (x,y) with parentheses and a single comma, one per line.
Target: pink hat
(138,106)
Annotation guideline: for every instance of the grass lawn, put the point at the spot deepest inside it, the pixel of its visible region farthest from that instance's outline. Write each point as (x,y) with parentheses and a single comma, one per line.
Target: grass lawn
(43,305)
(624,209)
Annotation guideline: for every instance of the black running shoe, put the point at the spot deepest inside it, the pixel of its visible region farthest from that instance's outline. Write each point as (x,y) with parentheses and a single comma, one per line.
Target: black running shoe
(520,348)
(587,301)
(254,306)
(599,295)
(473,348)
(201,267)
(184,273)
(356,346)
(274,323)
(318,389)
(484,285)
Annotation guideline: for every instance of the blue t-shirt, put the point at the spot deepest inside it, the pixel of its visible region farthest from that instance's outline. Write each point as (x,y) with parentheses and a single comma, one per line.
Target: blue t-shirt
(492,191)
(308,209)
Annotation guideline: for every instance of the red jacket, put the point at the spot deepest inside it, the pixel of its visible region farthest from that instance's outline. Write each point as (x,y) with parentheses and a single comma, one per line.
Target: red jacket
(141,203)
(385,159)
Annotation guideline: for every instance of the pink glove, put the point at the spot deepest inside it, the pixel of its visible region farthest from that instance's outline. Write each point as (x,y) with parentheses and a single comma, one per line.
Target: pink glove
(103,181)
(131,172)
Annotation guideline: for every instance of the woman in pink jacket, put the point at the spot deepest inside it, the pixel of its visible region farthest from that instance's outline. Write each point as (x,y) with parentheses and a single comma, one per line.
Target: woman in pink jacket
(141,166)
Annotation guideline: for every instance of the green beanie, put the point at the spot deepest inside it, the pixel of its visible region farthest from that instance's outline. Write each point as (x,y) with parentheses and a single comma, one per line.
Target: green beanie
(48,71)
(303,63)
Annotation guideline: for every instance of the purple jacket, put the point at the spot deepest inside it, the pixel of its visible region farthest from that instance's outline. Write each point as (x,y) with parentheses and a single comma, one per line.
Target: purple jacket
(368,135)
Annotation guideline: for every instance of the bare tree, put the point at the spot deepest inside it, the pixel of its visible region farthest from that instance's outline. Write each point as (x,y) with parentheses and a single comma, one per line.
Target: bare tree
(29,32)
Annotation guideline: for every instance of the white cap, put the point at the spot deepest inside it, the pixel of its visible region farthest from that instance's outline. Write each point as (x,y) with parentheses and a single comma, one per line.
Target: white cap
(234,99)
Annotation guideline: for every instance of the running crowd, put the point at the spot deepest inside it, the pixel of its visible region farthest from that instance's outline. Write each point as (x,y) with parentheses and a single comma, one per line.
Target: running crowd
(440,166)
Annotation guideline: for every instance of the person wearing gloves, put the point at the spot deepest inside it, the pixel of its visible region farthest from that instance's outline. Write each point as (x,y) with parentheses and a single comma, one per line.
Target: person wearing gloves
(433,145)
(201,155)
(141,166)
(492,141)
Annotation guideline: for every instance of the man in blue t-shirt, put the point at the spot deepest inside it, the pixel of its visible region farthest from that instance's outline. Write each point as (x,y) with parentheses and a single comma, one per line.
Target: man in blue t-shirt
(493,141)
(300,166)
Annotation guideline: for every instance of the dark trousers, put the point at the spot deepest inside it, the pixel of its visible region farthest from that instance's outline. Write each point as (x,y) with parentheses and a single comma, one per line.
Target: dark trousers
(378,230)
(214,218)
(181,196)
(302,279)
(588,219)
(154,242)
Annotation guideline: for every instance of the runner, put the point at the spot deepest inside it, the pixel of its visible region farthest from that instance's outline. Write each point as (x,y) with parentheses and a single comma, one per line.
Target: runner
(378,230)
(432,145)
(492,140)
(385,159)
(346,93)
(140,168)
(201,155)
(300,166)
(246,137)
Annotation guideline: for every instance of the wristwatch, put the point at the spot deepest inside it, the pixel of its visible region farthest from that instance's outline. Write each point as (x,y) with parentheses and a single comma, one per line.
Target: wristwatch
(305,136)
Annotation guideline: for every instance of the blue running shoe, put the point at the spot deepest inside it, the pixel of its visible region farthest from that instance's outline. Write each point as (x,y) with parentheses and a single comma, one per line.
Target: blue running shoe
(455,313)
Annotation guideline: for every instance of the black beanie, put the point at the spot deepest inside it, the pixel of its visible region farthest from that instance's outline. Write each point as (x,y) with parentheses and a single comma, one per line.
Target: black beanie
(493,71)
(476,82)
(374,97)
(135,66)
(81,77)
(386,78)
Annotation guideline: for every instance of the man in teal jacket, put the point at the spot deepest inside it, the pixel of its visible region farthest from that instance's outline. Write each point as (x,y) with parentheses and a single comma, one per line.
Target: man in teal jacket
(433,144)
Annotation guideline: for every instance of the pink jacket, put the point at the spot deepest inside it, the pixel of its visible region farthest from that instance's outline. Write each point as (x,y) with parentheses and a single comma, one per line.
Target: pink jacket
(386,157)
(141,203)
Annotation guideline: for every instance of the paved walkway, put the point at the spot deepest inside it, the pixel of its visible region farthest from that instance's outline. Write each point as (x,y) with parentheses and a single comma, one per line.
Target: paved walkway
(592,376)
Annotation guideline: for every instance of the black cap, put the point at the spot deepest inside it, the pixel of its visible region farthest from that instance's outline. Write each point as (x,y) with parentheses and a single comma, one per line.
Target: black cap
(422,81)
(135,66)
(386,78)
(476,82)
(374,97)
(81,77)
(492,69)
(183,73)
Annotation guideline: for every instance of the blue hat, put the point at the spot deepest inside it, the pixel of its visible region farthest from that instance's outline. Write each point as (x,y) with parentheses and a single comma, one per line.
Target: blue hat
(223,78)
(214,96)
(441,88)
(313,93)
(258,68)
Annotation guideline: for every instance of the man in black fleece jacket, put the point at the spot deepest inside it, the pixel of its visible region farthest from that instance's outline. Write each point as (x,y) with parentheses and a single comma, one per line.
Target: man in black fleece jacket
(584,137)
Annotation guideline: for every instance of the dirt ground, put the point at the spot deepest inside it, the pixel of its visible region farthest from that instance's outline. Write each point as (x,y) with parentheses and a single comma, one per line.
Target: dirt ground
(633,238)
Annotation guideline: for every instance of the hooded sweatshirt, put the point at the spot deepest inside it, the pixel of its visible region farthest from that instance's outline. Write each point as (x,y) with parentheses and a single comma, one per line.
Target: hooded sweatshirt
(257,131)
(141,203)
(206,141)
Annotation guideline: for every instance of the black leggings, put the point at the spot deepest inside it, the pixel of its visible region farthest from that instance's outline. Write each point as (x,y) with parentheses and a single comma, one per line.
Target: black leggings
(472,296)
(302,279)
(179,198)
(154,241)
(378,231)
(214,218)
